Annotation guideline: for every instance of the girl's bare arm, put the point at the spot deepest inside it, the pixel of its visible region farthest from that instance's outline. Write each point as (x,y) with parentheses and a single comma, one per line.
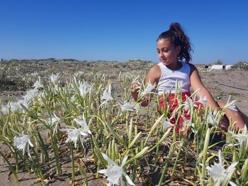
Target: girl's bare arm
(152,77)
(197,85)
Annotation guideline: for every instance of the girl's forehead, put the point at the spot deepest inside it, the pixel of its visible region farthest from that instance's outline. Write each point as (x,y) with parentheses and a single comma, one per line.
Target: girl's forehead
(164,42)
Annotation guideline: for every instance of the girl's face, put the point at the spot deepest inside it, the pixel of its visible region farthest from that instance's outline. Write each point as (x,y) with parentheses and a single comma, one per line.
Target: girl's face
(167,52)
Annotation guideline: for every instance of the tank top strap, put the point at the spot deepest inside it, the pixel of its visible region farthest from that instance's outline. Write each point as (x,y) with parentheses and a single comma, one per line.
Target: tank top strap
(164,70)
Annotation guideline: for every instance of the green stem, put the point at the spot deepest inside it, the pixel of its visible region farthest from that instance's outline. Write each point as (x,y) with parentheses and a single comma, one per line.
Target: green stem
(166,164)
(72,163)
(9,165)
(43,147)
(134,170)
(17,162)
(180,148)
(83,173)
(37,166)
(204,155)
(56,155)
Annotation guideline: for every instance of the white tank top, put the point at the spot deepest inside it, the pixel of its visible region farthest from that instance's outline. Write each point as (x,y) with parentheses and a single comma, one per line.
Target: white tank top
(171,79)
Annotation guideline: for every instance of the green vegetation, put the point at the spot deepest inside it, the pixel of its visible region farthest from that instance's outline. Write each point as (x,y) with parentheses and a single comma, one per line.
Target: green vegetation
(84,126)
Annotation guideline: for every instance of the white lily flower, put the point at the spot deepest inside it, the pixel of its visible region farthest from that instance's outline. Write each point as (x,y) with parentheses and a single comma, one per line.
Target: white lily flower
(34,74)
(78,73)
(54,78)
(74,135)
(127,106)
(53,122)
(106,96)
(54,119)
(115,172)
(84,88)
(243,137)
(83,124)
(188,123)
(232,183)
(11,106)
(73,98)
(5,109)
(219,173)
(18,105)
(30,95)
(135,80)
(38,84)
(211,118)
(148,89)
(166,123)
(188,104)
(22,143)
(203,100)
(231,105)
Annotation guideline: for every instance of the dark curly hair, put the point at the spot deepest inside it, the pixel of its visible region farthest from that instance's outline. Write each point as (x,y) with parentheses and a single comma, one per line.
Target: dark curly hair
(178,38)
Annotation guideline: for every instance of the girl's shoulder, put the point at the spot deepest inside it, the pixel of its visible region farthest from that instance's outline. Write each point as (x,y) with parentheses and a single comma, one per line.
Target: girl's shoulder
(155,68)
(153,73)
(192,67)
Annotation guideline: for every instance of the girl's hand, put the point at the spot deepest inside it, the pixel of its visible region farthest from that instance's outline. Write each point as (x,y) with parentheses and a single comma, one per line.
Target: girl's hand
(224,123)
(135,87)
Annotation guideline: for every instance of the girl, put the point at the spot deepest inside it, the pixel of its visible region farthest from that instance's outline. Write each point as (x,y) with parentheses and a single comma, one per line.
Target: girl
(173,48)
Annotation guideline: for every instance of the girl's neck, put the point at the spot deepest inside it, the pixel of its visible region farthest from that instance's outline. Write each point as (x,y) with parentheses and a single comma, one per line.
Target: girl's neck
(175,66)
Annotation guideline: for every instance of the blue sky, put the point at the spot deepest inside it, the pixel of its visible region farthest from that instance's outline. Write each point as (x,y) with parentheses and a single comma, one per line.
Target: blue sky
(121,29)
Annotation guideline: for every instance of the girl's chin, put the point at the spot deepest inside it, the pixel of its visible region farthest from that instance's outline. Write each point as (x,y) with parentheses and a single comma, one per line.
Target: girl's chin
(165,62)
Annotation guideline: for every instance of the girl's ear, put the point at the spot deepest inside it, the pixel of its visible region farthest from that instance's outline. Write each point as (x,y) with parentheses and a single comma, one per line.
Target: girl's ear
(178,49)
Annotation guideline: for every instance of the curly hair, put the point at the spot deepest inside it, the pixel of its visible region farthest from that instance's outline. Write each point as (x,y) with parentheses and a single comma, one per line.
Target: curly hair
(178,38)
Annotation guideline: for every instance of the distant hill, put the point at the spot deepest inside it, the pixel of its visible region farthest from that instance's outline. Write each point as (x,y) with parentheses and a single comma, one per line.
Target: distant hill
(241,66)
